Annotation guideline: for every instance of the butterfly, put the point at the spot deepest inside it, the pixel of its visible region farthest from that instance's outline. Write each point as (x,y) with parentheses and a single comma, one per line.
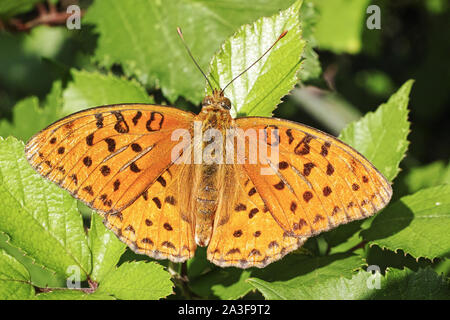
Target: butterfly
(126,162)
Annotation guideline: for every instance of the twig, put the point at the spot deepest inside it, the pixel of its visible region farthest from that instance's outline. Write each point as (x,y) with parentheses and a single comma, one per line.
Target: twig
(49,17)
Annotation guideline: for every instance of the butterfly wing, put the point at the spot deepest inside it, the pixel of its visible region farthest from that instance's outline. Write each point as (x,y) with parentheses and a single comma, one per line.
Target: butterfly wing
(155,224)
(317,184)
(245,233)
(319,181)
(108,156)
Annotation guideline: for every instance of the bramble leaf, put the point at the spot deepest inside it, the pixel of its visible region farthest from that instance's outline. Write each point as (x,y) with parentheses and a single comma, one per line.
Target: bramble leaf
(259,90)
(31,61)
(397,284)
(425,284)
(106,249)
(381,136)
(12,8)
(343,238)
(233,283)
(40,219)
(138,281)
(310,67)
(39,275)
(313,278)
(93,89)
(225,284)
(15,282)
(29,118)
(141,36)
(418,224)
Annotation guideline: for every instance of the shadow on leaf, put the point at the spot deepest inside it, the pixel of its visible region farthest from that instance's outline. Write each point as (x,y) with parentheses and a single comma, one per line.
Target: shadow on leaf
(389,222)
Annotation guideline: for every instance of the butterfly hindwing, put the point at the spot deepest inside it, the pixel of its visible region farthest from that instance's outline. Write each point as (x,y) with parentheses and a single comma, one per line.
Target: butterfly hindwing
(245,232)
(156,223)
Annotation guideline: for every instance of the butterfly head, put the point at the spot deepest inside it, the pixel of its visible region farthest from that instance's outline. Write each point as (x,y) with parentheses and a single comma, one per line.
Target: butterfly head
(217,100)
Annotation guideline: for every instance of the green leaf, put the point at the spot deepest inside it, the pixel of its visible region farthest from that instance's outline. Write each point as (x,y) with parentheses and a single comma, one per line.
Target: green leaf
(385,258)
(397,284)
(340,25)
(10,8)
(310,68)
(106,249)
(225,284)
(405,284)
(381,136)
(335,288)
(418,224)
(27,66)
(92,89)
(259,90)
(230,283)
(431,175)
(343,238)
(40,276)
(137,281)
(54,100)
(29,118)
(71,294)
(142,37)
(20,111)
(40,219)
(234,283)
(199,264)
(315,278)
(15,282)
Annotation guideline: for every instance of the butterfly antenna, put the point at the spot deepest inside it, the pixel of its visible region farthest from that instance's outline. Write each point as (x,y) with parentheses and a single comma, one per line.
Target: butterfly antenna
(267,51)
(192,57)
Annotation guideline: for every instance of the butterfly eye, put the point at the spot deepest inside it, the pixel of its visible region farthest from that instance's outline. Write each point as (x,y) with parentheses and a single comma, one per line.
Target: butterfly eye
(226,103)
(207,101)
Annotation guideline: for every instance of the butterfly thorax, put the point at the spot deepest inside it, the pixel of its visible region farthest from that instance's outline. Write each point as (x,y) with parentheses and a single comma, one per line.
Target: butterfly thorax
(209,176)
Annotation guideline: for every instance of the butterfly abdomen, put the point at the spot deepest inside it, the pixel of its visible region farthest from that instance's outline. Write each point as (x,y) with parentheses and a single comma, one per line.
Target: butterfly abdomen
(210,174)
(205,201)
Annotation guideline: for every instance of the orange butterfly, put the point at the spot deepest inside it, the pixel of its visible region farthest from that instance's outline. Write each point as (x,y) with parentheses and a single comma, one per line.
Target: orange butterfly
(119,160)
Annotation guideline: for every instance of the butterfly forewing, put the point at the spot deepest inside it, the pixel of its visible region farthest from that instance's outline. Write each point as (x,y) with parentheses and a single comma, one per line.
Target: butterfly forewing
(108,156)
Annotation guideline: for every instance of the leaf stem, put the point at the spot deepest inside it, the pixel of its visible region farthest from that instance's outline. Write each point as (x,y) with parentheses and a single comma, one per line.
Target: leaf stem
(50,16)
(180,278)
